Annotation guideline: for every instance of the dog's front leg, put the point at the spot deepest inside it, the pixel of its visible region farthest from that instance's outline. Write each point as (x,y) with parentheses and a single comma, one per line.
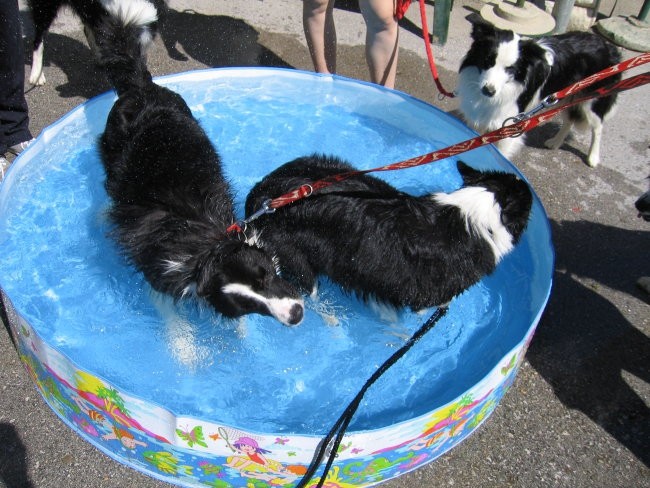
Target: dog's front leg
(36,76)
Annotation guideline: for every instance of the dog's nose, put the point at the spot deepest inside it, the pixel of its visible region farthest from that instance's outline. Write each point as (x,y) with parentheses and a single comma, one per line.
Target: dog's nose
(296,314)
(488,90)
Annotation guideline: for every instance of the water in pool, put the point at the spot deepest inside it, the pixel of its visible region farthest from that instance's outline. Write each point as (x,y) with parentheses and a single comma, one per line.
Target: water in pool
(69,281)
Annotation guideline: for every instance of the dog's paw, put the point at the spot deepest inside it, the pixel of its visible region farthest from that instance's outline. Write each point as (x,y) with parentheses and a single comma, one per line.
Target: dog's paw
(554,143)
(37,79)
(594,156)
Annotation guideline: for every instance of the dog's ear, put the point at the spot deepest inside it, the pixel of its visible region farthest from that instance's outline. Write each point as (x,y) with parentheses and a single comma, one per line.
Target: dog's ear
(515,208)
(210,269)
(536,56)
(259,275)
(537,65)
(482,30)
(467,172)
(206,274)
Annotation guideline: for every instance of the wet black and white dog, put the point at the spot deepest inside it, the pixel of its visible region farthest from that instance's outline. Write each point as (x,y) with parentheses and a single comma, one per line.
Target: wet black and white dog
(143,14)
(503,75)
(171,202)
(384,244)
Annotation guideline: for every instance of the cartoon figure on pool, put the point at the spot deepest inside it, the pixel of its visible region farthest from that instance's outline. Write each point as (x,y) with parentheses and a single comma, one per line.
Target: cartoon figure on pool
(385,244)
(251,462)
(171,202)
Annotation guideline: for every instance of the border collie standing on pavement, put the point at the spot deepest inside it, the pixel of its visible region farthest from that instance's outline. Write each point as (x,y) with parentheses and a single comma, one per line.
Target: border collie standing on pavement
(387,245)
(171,202)
(143,14)
(503,75)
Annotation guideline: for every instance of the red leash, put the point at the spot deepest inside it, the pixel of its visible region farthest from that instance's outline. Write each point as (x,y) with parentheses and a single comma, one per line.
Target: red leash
(522,123)
(639,60)
(432,62)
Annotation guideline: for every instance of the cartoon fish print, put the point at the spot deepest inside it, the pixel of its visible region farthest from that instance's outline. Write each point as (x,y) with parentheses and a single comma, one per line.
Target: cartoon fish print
(163,460)
(95,416)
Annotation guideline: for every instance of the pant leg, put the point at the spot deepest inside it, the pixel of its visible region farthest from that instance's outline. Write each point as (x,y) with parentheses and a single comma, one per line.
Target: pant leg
(14,119)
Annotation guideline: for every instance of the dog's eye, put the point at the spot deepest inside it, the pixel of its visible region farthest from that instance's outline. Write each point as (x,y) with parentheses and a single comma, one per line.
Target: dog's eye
(511,70)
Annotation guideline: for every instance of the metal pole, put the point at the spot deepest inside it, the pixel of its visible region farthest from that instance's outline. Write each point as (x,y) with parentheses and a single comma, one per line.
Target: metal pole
(562,13)
(441,12)
(645,10)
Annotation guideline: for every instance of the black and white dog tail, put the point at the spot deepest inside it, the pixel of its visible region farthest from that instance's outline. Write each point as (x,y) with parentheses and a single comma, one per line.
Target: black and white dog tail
(122,38)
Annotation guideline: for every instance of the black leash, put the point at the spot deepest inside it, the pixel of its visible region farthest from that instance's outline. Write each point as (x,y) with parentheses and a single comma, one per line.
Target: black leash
(342,423)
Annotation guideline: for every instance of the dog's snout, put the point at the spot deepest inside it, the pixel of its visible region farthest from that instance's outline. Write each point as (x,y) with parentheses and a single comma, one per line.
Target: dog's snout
(488,90)
(295,314)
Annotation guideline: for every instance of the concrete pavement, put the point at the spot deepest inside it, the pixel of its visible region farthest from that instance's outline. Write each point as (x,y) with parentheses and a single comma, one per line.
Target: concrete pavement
(577,415)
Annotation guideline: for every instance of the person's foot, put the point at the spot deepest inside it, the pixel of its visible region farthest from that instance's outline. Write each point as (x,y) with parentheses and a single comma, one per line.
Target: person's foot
(20,147)
(4,166)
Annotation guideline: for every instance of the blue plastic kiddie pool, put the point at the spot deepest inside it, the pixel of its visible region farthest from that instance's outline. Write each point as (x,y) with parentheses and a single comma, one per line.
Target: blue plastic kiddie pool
(183,395)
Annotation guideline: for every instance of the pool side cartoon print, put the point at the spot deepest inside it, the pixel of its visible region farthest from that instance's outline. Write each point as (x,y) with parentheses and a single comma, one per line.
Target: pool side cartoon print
(197,453)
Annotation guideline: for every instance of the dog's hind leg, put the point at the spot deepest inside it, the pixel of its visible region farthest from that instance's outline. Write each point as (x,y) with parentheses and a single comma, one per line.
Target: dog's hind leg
(558,139)
(594,115)
(594,149)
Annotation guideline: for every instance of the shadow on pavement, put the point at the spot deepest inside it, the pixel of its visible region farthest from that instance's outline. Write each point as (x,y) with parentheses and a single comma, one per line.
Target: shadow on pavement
(584,343)
(207,39)
(13,459)
(215,40)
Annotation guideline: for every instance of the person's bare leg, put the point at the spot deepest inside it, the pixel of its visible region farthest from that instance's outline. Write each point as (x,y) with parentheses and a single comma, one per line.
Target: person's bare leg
(382,37)
(320,32)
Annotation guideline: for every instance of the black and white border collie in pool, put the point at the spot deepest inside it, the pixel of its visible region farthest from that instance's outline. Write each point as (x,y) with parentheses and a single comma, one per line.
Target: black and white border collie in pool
(503,75)
(171,204)
(386,245)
